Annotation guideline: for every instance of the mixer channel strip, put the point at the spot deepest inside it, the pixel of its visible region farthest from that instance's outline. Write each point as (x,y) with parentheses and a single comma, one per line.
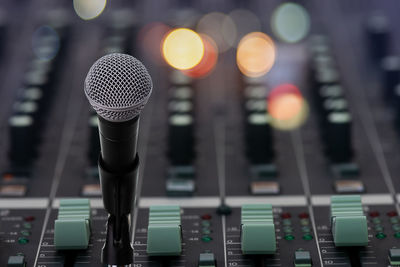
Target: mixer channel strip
(164,233)
(258,229)
(72,227)
(349,224)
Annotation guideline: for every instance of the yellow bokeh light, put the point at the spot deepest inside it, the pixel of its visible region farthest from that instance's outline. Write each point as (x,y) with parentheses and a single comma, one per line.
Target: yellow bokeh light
(256,54)
(183,48)
(89,9)
(209,60)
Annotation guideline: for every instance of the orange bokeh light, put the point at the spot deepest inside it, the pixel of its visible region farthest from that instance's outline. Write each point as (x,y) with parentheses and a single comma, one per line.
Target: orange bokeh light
(209,60)
(287,107)
(256,54)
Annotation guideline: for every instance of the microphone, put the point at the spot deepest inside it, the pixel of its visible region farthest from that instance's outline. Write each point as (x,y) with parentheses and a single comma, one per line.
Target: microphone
(118,87)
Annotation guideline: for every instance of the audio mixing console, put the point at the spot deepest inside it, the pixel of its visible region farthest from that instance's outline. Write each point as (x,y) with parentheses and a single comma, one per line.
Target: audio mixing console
(222,182)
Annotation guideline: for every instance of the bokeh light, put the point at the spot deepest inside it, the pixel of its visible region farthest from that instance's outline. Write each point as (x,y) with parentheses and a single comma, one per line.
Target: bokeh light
(150,38)
(220,28)
(290,22)
(89,9)
(245,22)
(45,43)
(209,60)
(287,107)
(255,54)
(183,48)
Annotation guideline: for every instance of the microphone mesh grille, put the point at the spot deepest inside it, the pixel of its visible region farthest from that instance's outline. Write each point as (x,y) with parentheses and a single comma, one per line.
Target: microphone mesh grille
(118,86)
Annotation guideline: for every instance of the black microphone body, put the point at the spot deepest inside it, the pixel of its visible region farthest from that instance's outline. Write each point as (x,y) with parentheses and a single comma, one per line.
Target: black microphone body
(118,170)
(118,142)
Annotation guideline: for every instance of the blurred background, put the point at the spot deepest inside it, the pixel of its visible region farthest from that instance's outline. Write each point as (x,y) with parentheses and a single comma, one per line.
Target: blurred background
(276,100)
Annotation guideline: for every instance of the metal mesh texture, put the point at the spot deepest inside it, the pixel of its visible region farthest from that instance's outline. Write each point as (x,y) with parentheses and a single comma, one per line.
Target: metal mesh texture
(118,86)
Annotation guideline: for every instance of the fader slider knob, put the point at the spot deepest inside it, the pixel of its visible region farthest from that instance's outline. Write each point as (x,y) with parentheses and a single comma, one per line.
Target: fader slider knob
(349,224)
(259,139)
(391,75)
(22,148)
(338,136)
(180,139)
(378,33)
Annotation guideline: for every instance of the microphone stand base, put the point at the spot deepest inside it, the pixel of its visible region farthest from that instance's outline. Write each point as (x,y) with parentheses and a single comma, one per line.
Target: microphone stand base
(117,251)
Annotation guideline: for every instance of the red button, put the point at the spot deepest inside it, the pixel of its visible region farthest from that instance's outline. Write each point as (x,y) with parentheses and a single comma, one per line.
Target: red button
(304,215)
(392,213)
(286,215)
(206,217)
(29,218)
(374,214)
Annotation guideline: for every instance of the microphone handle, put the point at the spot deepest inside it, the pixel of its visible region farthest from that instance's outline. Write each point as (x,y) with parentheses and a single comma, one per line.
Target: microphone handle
(118,170)
(118,142)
